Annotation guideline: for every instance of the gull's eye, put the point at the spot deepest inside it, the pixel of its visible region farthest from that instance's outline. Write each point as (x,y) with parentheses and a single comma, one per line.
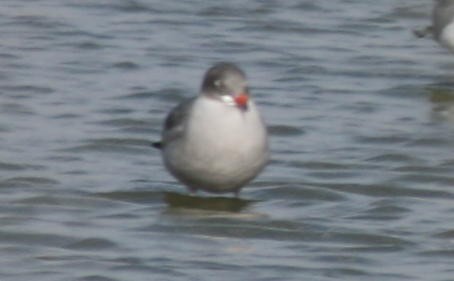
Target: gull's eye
(218,83)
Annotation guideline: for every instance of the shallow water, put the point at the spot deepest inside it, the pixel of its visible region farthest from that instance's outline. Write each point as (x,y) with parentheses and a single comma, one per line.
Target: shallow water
(361,116)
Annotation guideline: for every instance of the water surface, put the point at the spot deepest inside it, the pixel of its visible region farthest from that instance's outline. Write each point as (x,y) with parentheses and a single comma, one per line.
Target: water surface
(361,116)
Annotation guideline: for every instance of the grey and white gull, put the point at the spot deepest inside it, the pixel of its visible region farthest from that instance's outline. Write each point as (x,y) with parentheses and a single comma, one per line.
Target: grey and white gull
(442,27)
(216,142)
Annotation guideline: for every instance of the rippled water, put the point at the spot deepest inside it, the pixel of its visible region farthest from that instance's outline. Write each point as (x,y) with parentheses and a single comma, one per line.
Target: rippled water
(361,115)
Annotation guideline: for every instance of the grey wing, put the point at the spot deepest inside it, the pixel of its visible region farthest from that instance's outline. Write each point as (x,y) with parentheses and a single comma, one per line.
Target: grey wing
(175,122)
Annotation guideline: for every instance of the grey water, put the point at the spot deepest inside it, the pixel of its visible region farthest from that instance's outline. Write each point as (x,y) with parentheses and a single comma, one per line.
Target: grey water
(361,118)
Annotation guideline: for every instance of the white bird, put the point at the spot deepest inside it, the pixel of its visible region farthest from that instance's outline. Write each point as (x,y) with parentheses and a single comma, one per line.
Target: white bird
(216,142)
(442,27)
(443,23)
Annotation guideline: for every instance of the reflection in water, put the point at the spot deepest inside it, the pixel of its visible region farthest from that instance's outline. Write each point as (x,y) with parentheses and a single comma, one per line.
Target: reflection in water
(442,103)
(225,204)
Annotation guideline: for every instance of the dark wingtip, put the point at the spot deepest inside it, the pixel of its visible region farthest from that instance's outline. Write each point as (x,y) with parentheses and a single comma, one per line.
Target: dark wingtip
(421,33)
(157,145)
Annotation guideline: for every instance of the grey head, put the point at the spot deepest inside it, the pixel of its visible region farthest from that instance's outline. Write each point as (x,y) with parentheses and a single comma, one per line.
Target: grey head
(226,82)
(442,15)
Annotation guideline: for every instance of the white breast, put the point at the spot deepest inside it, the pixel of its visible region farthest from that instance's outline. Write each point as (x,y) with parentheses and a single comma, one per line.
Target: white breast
(223,147)
(447,36)
(213,122)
